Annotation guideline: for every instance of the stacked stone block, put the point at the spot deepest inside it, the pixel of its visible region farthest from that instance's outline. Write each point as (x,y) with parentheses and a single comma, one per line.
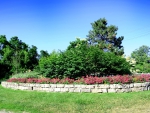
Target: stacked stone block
(97,88)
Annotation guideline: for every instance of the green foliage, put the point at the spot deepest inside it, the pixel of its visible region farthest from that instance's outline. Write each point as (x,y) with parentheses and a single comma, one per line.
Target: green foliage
(16,55)
(142,57)
(48,65)
(82,60)
(43,53)
(27,74)
(141,54)
(132,63)
(105,38)
(78,43)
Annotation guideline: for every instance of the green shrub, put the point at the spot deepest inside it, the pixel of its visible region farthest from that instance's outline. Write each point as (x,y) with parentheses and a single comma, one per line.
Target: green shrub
(81,61)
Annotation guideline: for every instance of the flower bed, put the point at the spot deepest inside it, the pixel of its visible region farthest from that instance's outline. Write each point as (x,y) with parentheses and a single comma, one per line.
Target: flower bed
(85,84)
(89,80)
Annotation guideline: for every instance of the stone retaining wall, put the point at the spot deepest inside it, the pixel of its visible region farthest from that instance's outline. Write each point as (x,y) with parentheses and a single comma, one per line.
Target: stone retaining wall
(100,88)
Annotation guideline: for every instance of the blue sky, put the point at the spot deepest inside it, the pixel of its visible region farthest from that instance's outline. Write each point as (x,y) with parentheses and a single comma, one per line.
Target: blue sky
(52,24)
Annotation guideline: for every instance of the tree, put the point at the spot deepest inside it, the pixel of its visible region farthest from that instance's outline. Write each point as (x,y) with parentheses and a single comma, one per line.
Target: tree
(33,56)
(3,43)
(17,55)
(141,55)
(78,43)
(104,37)
(43,54)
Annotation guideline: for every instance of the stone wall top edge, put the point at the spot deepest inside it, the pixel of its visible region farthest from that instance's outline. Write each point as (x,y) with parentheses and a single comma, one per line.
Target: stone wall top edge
(77,84)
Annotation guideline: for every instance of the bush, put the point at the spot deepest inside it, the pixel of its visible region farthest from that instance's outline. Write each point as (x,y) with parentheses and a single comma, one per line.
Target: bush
(118,79)
(81,61)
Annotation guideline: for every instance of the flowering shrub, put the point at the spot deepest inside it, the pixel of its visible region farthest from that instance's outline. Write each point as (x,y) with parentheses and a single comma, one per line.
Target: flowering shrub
(66,81)
(86,80)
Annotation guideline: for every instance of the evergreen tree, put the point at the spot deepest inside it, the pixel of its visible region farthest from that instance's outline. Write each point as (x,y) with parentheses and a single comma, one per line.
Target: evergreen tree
(104,37)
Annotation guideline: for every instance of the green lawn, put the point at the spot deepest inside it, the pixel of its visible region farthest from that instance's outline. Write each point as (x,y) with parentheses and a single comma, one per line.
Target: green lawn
(42,102)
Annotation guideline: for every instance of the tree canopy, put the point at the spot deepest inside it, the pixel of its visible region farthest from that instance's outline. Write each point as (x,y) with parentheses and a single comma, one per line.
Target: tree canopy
(141,54)
(16,55)
(142,57)
(105,37)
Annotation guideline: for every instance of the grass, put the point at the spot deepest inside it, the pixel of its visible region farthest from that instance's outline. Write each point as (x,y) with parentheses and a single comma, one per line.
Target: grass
(44,102)
(30,74)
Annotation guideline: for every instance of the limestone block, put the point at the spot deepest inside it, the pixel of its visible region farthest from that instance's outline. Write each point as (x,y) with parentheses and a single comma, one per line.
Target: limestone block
(120,90)
(146,84)
(124,86)
(71,89)
(53,85)
(69,86)
(21,84)
(136,85)
(42,85)
(77,89)
(4,84)
(45,89)
(118,86)
(112,90)
(45,85)
(40,89)
(112,86)
(105,90)
(37,85)
(51,89)
(143,84)
(25,88)
(60,85)
(131,85)
(83,86)
(22,88)
(96,90)
(34,88)
(77,86)
(90,86)
(97,86)
(103,86)
(26,84)
(31,84)
(64,89)
(30,88)
(145,88)
(57,90)
(15,87)
(135,89)
(127,90)
(85,90)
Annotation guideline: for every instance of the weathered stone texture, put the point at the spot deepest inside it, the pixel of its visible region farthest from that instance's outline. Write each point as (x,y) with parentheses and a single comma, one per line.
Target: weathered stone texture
(96,90)
(112,90)
(85,90)
(101,88)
